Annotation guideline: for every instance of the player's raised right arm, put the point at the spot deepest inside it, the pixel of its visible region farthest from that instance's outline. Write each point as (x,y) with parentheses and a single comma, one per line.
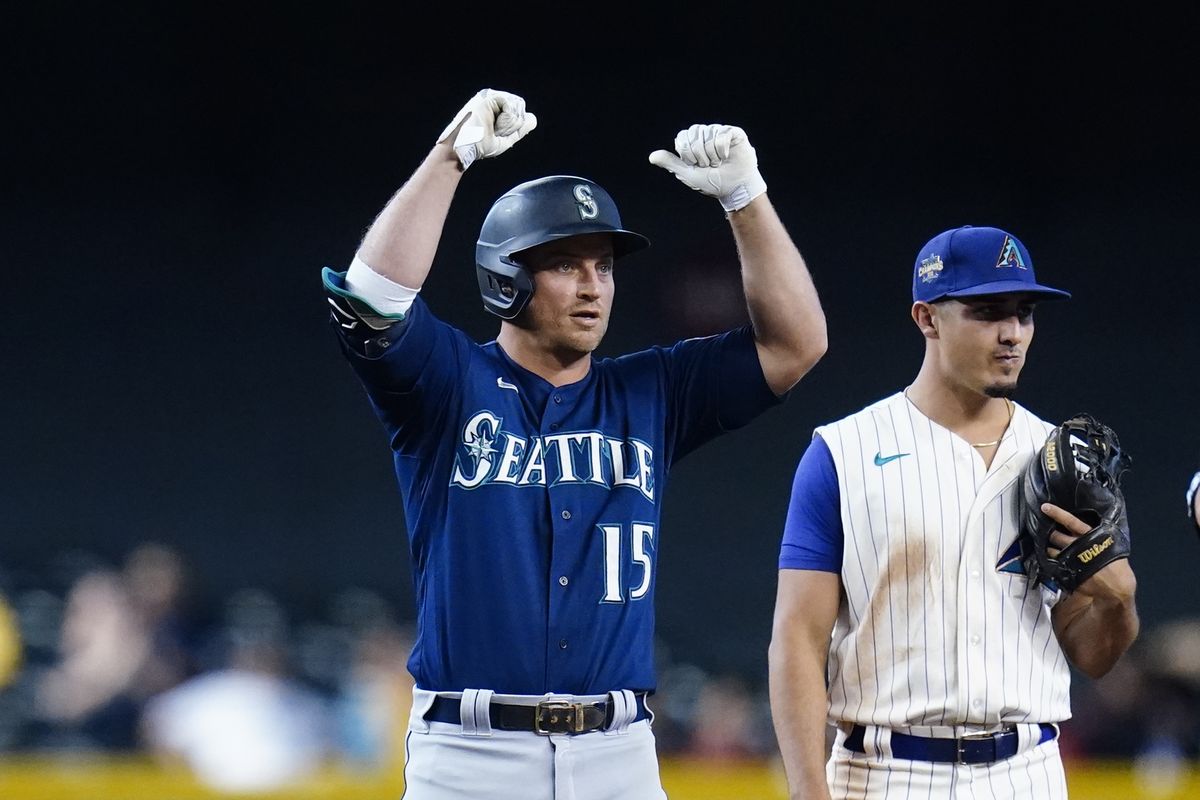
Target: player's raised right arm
(401,242)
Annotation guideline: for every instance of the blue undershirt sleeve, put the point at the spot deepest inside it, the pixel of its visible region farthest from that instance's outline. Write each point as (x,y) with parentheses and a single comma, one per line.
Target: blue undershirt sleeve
(812,534)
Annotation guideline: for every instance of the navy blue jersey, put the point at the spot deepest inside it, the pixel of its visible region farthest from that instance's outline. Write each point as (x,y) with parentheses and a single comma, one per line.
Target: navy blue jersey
(532,510)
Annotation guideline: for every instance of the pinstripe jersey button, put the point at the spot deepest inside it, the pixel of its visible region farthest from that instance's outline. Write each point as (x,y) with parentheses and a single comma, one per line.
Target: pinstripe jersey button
(975,639)
(974,573)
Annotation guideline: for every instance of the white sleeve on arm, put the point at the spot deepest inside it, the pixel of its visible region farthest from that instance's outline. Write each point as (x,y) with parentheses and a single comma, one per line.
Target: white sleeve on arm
(385,296)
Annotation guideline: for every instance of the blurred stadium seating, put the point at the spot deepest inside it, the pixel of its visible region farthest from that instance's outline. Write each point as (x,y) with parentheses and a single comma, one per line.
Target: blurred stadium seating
(114,683)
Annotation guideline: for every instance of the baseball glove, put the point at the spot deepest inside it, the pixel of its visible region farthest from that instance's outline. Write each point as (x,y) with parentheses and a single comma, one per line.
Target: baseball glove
(1078,469)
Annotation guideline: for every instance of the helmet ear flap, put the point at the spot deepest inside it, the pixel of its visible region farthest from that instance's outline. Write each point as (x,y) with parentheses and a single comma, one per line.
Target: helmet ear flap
(505,295)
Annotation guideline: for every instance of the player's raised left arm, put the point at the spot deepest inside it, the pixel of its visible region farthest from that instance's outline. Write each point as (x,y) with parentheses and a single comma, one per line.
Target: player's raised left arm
(1097,622)
(789,325)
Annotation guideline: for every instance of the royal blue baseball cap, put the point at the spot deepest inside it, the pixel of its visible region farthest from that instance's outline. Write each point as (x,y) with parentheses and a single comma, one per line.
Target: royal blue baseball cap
(970,260)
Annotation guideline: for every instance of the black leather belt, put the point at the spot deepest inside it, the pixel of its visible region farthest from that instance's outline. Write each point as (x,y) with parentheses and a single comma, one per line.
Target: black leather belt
(546,717)
(976,748)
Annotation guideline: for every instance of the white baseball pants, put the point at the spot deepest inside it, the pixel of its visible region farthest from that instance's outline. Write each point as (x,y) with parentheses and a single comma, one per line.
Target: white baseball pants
(445,761)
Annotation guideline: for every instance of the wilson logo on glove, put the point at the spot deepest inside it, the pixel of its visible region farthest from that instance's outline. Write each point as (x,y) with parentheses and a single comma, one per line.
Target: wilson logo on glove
(1095,550)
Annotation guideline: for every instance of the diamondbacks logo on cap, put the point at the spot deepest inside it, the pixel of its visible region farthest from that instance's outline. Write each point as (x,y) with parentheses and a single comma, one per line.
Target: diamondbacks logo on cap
(930,268)
(1010,255)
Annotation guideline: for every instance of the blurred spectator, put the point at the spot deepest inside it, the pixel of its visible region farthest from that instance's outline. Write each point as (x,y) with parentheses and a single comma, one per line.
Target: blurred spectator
(713,717)
(1146,711)
(160,595)
(90,697)
(247,726)
(1172,658)
(675,703)
(373,704)
(1171,711)
(121,639)
(725,727)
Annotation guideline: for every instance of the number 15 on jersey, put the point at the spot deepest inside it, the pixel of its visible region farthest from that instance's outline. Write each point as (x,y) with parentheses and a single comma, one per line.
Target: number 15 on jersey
(641,548)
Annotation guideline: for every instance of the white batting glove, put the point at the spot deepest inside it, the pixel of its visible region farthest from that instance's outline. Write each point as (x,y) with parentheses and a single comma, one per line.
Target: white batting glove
(494,122)
(716,160)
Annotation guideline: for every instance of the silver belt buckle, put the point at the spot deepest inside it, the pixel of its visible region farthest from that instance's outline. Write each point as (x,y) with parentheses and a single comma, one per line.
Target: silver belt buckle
(557,716)
(959,743)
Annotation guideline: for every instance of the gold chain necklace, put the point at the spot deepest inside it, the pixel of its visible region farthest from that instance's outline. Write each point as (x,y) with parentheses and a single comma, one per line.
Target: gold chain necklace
(1010,416)
(981,444)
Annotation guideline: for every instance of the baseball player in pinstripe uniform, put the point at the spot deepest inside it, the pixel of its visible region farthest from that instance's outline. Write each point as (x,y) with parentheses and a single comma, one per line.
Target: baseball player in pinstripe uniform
(904,617)
(532,472)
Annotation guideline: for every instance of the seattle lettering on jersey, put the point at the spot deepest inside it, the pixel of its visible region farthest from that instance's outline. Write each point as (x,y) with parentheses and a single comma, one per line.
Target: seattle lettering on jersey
(494,456)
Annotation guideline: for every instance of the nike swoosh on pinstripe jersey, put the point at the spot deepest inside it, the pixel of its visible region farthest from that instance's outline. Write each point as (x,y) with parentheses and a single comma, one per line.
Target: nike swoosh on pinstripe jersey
(880,460)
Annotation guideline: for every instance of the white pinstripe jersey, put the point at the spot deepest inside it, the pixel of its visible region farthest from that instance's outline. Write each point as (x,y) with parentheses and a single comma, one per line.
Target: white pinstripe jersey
(932,630)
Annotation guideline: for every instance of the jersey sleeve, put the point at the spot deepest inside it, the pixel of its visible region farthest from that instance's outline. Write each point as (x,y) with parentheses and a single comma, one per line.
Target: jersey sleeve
(812,534)
(410,369)
(716,384)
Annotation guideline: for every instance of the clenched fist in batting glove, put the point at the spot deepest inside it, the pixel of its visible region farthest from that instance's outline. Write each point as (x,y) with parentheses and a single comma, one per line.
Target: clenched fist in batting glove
(491,122)
(716,160)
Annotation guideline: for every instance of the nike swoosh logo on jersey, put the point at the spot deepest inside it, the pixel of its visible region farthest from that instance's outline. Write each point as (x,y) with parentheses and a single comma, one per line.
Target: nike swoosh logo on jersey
(880,460)
(503,384)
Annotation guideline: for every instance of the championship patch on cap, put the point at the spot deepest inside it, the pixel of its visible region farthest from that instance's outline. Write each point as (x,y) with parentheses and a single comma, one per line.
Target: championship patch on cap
(962,262)
(930,268)
(1010,255)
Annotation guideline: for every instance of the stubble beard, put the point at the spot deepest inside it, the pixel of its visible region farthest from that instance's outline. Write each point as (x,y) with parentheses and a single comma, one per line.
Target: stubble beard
(578,344)
(588,341)
(1001,390)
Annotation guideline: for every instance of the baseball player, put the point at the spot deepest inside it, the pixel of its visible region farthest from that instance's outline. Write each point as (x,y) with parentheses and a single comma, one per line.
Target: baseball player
(1192,496)
(901,578)
(532,472)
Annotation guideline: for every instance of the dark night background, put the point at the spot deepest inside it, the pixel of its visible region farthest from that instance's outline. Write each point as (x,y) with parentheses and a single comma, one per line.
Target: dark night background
(176,179)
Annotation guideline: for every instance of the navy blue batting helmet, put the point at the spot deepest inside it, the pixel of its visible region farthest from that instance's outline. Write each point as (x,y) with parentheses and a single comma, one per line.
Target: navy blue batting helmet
(533,213)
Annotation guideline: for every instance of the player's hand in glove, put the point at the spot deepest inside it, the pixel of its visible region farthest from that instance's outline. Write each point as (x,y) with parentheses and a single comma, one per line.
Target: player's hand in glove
(716,160)
(1114,579)
(491,122)
(1071,505)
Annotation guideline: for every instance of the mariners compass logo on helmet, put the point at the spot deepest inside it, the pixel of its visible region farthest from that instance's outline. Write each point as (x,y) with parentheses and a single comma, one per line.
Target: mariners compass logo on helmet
(533,213)
(585,201)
